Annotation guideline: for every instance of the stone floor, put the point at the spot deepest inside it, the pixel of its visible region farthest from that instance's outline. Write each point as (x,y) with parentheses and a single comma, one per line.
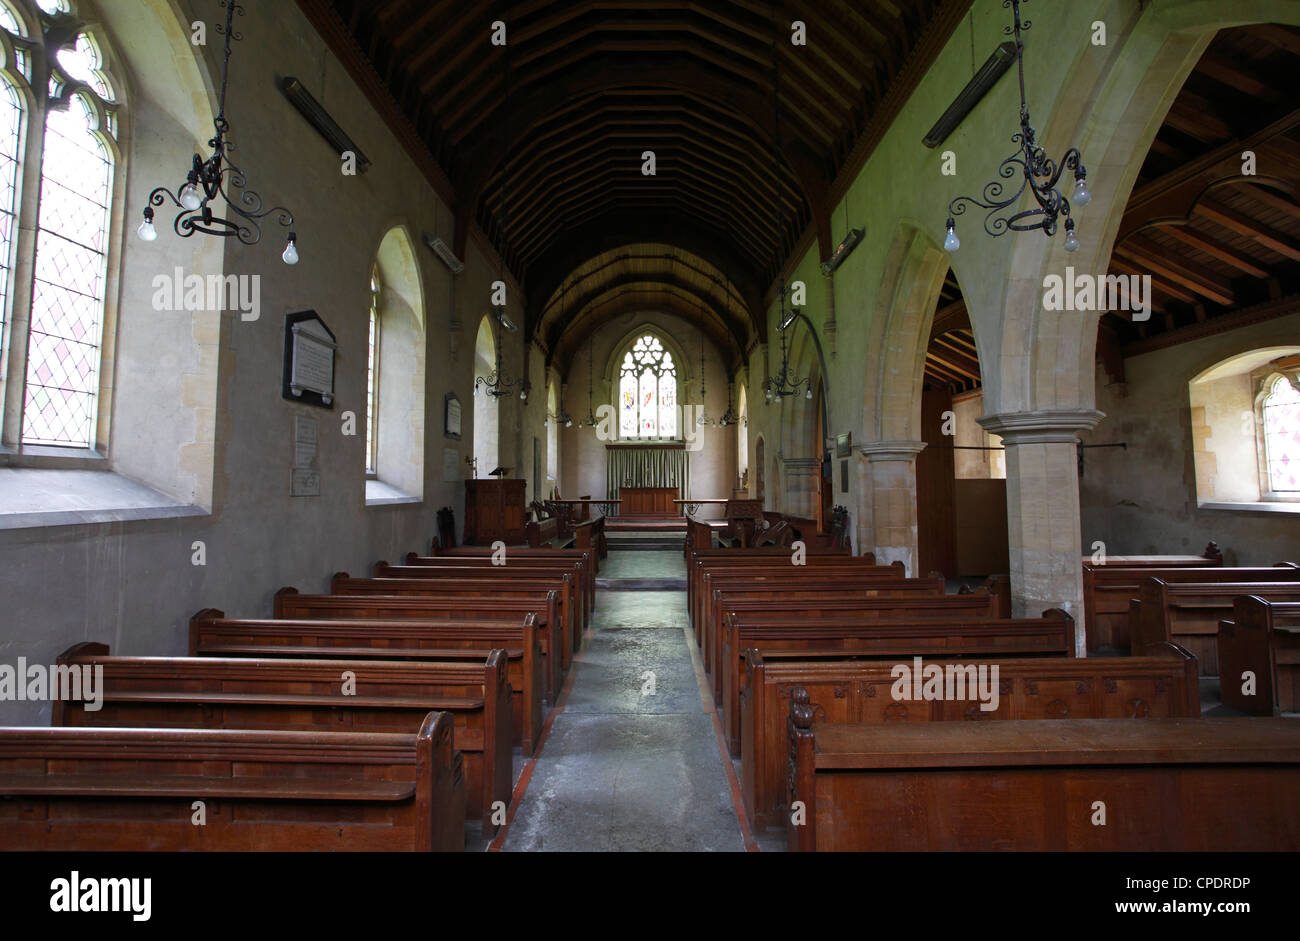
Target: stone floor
(624,768)
(658,563)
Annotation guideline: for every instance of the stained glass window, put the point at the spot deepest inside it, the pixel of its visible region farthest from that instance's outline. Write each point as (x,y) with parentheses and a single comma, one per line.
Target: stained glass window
(1281,409)
(372,373)
(68,292)
(647,391)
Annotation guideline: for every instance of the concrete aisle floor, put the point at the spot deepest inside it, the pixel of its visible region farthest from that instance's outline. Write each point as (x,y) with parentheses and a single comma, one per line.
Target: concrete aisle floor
(621,769)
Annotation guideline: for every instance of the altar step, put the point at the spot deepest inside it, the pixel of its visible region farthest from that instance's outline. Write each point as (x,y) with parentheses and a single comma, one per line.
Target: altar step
(652,540)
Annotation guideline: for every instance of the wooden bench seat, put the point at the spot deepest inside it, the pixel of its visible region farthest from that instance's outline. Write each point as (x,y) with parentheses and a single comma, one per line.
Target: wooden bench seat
(292,604)
(760,561)
(1108,588)
(212,634)
(307,695)
(451,585)
(1052,635)
(1262,637)
(722,588)
(885,606)
(1206,785)
(1188,613)
(855,691)
(127,789)
(582,583)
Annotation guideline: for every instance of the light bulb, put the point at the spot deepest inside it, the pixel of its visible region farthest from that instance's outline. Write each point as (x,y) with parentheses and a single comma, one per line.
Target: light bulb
(569,423)
(808,394)
(190,197)
(1071,240)
(951,243)
(523,396)
(476,390)
(290,256)
(1082,196)
(146,231)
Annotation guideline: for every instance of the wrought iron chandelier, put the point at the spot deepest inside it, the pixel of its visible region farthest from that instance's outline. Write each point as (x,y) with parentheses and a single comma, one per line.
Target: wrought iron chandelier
(785,382)
(1039,174)
(497,383)
(729,417)
(217,176)
(703,418)
(590,420)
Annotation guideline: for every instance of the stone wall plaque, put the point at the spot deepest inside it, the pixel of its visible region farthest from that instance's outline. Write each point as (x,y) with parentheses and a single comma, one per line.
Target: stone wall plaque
(309,348)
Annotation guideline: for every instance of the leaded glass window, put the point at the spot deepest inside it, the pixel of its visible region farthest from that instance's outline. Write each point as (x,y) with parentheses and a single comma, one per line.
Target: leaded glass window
(61,395)
(647,390)
(11,137)
(1281,414)
(68,291)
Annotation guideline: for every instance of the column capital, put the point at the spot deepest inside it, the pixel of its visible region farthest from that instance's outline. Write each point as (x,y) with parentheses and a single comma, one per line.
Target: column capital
(1059,425)
(897,450)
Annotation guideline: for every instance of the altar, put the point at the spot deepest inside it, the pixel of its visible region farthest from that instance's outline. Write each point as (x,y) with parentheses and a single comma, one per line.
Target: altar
(648,501)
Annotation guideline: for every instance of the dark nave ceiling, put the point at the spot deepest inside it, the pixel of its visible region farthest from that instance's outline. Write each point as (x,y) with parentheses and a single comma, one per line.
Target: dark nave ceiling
(595,83)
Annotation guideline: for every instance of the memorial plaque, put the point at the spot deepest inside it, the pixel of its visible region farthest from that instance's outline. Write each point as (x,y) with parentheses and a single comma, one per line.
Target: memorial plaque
(309,348)
(304,482)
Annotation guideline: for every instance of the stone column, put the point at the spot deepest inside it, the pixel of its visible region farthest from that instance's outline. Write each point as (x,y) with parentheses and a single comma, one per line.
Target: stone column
(1043,520)
(893,501)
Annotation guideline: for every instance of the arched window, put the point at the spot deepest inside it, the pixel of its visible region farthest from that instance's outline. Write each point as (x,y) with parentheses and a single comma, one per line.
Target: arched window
(742,440)
(552,433)
(1280,410)
(647,391)
(61,373)
(372,374)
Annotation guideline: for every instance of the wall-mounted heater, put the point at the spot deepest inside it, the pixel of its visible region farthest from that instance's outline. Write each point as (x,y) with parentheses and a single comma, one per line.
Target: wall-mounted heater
(842,250)
(979,85)
(444,252)
(320,119)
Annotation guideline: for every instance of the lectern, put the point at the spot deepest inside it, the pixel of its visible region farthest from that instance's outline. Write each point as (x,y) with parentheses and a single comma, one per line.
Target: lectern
(494,509)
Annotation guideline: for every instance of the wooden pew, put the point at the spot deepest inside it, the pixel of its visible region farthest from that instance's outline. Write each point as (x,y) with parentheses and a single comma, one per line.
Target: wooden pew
(845,637)
(698,536)
(1108,588)
(589,557)
(1188,613)
(769,561)
(583,581)
(1208,785)
(212,634)
(721,588)
(289,603)
(1262,637)
(79,789)
(854,691)
(307,696)
(493,583)
(545,533)
(886,606)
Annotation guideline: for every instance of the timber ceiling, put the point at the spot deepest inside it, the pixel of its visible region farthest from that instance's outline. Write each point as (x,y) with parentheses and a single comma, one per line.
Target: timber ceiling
(1222,248)
(951,360)
(592,84)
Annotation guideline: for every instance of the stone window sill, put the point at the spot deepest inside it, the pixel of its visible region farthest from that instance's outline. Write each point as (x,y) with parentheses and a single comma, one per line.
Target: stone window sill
(379,493)
(42,496)
(1264,506)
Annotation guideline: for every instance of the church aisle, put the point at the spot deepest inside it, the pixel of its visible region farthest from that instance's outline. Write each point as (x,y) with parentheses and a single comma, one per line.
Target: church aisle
(624,768)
